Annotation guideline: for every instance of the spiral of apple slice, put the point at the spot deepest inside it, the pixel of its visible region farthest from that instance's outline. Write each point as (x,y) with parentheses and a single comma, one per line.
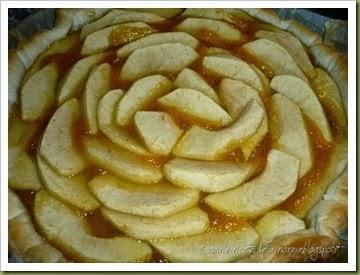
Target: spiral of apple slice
(62,226)
(202,144)
(256,197)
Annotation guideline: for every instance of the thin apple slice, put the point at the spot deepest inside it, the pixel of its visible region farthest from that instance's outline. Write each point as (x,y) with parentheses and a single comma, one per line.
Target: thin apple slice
(58,47)
(116,134)
(23,173)
(163,12)
(329,95)
(158,131)
(57,146)
(117,17)
(76,77)
(188,78)
(275,56)
(117,35)
(294,48)
(233,67)
(218,14)
(67,230)
(235,94)
(156,200)
(193,221)
(20,132)
(223,30)
(121,162)
(202,144)
(289,131)
(276,223)
(302,94)
(96,86)
(157,39)
(38,93)
(207,176)
(264,78)
(71,190)
(142,62)
(209,247)
(140,94)
(197,105)
(276,183)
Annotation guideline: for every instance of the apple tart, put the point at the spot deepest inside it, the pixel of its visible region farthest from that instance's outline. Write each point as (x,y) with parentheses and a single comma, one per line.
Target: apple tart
(177,135)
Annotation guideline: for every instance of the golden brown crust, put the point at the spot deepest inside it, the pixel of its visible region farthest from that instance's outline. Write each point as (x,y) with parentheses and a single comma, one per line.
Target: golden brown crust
(27,51)
(329,217)
(301,246)
(338,190)
(305,35)
(24,241)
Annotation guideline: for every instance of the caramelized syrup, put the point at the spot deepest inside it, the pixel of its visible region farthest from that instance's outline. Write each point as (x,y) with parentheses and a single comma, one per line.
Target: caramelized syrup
(322,153)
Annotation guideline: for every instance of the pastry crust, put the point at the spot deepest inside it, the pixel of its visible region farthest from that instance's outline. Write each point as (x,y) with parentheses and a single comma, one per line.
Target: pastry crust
(24,241)
(327,219)
(298,247)
(27,51)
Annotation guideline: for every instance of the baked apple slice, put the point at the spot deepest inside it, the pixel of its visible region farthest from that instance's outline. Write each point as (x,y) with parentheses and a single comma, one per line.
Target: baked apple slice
(76,77)
(302,94)
(276,223)
(277,182)
(96,86)
(289,131)
(202,144)
(294,48)
(188,78)
(275,56)
(106,120)
(38,93)
(140,94)
(121,162)
(67,230)
(223,30)
(329,95)
(158,39)
(207,247)
(23,174)
(193,221)
(57,146)
(233,67)
(196,105)
(155,200)
(142,62)
(115,17)
(207,176)
(117,35)
(71,190)
(158,131)
(235,94)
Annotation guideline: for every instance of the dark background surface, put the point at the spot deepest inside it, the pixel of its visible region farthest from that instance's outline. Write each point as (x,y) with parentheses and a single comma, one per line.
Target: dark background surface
(16,15)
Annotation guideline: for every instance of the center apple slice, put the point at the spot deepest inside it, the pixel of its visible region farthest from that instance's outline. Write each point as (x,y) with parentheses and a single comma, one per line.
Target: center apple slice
(202,144)
(197,105)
